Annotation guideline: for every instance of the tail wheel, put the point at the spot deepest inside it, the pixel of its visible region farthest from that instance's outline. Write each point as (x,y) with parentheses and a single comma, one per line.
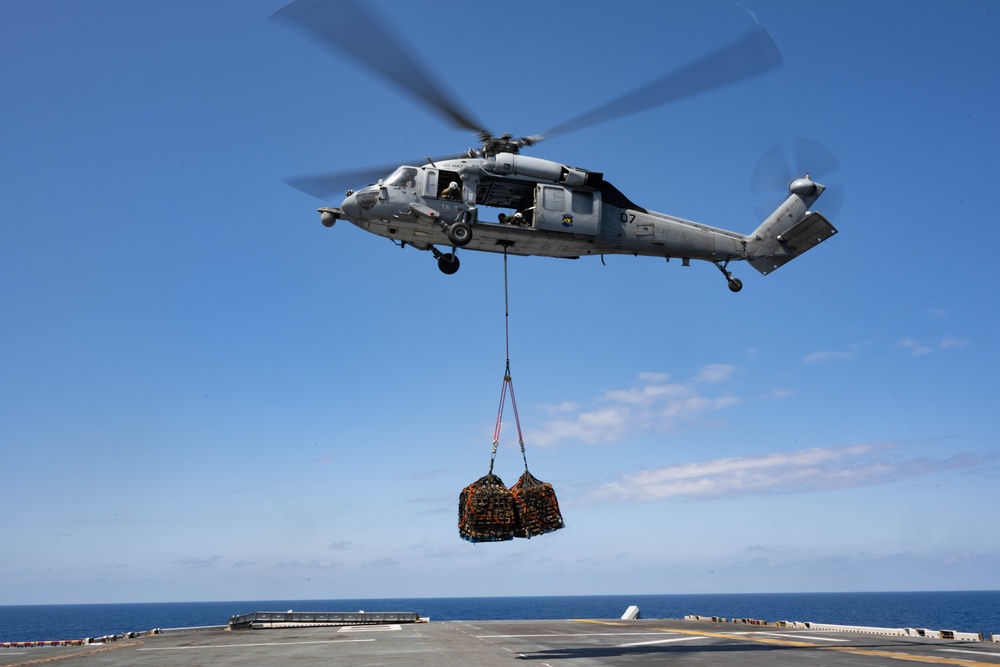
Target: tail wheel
(735,284)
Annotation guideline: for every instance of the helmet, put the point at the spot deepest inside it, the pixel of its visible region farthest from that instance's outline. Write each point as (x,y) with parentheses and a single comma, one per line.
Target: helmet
(453,186)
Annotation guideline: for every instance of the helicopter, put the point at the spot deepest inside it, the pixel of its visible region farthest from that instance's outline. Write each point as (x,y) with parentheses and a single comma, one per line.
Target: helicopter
(548,208)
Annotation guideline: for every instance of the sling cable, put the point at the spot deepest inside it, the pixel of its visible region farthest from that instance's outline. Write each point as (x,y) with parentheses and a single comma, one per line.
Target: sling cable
(487,510)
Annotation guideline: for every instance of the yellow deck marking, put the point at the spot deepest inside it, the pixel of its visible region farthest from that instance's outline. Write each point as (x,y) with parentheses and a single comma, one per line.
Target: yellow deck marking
(895,655)
(590,620)
(76,654)
(762,640)
(909,656)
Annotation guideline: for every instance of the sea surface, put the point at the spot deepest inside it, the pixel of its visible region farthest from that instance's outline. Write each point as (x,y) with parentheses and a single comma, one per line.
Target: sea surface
(964,611)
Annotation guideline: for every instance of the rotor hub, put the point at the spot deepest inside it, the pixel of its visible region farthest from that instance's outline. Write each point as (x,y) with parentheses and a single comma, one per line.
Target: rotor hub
(803,187)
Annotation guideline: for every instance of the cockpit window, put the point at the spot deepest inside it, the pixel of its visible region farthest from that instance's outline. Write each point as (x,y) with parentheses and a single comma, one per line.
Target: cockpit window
(404,177)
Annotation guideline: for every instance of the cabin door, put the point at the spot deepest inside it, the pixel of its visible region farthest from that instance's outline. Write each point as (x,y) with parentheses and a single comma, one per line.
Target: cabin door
(575,211)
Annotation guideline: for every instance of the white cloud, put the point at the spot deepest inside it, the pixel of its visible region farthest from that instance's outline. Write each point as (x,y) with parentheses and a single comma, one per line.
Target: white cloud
(918,349)
(315,564)
(341,545)
(828,355)
(193,562)
(715,373)
(952,341)
(565,406)
(654,405)
(849,352)
(802,471)
(453,551)
(777,392)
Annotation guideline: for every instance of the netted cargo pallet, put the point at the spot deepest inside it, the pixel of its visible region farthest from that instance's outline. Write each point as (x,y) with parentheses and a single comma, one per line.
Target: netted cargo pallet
(487,512)
(536,506)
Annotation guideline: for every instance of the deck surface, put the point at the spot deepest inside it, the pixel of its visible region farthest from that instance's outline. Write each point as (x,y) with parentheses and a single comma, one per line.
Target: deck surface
(577,643)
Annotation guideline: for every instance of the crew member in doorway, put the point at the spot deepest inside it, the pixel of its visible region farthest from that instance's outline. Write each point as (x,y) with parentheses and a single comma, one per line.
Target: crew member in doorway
(528,217)
(516,219)
(452,191)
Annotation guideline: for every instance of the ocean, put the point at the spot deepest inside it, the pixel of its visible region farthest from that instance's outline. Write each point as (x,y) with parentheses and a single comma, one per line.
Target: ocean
(964,611)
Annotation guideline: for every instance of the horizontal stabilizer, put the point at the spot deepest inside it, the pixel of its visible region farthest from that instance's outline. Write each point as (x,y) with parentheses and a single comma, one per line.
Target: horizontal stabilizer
(800,237)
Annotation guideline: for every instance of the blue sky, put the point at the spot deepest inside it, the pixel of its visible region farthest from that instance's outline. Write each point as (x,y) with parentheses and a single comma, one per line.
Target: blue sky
(207,395)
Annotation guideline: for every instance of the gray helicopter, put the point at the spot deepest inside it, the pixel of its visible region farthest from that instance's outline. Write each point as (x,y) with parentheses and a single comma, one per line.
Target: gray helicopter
(547,208)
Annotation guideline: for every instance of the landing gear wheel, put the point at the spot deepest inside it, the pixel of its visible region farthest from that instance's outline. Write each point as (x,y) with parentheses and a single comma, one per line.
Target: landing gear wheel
(448,263)
(735,284)
(460,234)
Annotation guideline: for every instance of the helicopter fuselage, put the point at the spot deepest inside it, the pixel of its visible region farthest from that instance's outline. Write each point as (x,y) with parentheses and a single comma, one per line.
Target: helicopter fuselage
(549,209)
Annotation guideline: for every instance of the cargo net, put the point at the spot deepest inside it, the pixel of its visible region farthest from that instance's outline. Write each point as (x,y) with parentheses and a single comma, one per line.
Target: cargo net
(490,512)
(537,507)
(487,512)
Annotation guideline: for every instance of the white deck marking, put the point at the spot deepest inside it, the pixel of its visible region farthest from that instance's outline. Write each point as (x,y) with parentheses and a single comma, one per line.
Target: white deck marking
(369,628)
(188,648)
(794,636)
(576,634)
(965,650)
(661,641)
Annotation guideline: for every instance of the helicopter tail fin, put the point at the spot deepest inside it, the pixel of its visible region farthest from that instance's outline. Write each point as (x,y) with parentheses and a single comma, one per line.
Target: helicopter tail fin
(787,233)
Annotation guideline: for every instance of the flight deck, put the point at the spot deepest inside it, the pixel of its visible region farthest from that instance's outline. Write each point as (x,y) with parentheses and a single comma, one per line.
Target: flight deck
(572,642)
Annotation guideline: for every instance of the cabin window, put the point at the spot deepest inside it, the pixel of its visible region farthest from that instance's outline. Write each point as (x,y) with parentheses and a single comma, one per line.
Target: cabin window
(583,202)
(554,199)
(404,177)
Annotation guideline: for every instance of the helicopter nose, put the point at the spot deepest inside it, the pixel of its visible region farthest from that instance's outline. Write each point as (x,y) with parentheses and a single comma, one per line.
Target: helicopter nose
(350,206)
(359,204)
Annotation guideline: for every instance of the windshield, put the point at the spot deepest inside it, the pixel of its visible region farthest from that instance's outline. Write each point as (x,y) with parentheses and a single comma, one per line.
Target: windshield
(404,177)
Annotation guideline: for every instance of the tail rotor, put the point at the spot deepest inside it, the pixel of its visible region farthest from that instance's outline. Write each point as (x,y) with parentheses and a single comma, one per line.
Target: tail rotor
(783,163)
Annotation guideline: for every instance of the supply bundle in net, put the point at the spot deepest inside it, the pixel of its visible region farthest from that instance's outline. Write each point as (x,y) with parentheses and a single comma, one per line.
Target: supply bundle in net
(487,511)
(536,505)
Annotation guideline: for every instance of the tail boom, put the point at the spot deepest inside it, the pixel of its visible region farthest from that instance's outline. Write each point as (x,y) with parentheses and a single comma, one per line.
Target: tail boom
(791,230)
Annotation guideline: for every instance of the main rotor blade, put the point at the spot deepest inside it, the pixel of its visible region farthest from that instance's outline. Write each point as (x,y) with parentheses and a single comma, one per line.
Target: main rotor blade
(346,27)
(329,184)
(754,54)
